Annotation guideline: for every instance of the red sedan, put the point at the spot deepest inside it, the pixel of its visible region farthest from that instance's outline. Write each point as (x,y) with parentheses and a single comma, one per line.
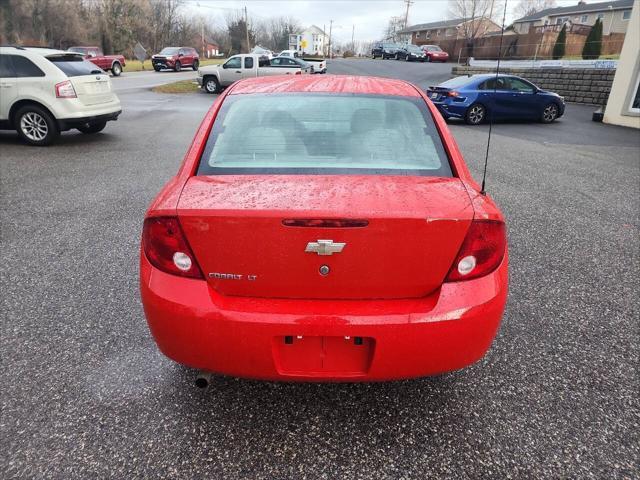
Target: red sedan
(435,54)
(323,229)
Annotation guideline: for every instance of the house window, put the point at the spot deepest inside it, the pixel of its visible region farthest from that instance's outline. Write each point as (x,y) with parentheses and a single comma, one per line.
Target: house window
(600,16)
(584,19)
(428,35)
(417,34)
(437,33)
(562,20)
(626,15)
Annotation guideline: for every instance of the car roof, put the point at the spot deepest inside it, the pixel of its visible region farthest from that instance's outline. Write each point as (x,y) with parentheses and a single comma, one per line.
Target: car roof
(325,84)
(44,51)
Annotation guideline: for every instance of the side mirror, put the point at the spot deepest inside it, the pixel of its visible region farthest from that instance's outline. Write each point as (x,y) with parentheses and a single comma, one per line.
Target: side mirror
(91,55)
(181,54)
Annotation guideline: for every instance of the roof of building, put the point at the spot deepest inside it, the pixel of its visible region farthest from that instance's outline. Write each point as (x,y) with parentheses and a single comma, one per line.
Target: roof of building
(313,29)
(579,8)
(325,84)
(429,26)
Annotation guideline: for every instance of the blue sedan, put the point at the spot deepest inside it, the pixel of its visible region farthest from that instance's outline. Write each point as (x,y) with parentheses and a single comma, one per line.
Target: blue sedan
(477,98)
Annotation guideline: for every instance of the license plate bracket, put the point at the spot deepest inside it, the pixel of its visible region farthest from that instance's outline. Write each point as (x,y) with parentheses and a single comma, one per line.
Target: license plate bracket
(323,356)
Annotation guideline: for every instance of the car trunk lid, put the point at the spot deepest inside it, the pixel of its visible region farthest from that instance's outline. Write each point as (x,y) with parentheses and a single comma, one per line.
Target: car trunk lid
(261,236)
(93,89)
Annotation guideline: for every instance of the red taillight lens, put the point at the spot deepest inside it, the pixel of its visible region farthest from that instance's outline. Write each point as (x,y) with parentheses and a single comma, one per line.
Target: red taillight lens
(481,252)
(299,72)
(65,90)
(453,93)
(167,249)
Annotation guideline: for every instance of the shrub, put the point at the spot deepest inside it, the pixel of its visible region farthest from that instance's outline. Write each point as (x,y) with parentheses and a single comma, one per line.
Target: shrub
(593,44)
(561,42)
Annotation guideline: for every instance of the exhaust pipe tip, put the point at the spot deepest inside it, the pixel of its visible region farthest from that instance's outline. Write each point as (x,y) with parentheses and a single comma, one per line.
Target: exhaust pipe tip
(203,380)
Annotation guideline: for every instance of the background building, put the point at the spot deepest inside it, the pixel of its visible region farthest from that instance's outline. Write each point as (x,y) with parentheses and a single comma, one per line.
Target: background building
(614,16)
(435,32)
(312,40)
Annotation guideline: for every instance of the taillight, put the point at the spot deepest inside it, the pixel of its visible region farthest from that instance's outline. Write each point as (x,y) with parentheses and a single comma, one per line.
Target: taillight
(299,72)
(453,93)
(167,249)
(481,252)
(65,90)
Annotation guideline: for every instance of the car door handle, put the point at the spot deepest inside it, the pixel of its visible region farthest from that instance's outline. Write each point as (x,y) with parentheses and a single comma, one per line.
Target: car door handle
(238,71)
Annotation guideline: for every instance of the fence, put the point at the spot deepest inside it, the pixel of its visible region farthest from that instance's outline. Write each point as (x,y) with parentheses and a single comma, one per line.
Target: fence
(532,45)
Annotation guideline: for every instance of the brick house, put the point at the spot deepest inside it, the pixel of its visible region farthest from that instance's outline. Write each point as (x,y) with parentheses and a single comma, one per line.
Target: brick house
(444,30)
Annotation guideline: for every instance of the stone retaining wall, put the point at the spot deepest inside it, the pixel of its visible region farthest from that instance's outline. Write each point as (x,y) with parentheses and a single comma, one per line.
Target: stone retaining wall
(589,86)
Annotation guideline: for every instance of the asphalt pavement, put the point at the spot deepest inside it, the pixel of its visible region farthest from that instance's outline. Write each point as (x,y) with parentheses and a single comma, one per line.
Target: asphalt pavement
(86,394)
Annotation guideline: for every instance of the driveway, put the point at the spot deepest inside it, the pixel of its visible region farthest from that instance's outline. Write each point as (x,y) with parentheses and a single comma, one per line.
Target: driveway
(85,393)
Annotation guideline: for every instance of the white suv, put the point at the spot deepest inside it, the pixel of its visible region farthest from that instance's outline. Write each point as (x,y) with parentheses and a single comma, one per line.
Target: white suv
(44,92)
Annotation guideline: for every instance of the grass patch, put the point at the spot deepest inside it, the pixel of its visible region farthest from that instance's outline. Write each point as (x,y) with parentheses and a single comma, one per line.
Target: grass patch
(136,65)
(183,86)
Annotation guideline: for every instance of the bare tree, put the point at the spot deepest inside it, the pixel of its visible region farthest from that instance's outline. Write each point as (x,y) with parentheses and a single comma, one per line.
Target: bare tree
(278,30)
(477,17)
(475,14)
(117,25)
(524,8)
(394,25)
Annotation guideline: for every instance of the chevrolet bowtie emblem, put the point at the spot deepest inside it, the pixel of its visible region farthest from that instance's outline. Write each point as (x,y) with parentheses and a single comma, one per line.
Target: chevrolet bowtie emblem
(324,247)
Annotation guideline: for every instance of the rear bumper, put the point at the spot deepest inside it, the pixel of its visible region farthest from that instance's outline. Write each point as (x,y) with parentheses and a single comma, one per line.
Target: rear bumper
(449,110)
(68,123)
(162,63)
(302,340)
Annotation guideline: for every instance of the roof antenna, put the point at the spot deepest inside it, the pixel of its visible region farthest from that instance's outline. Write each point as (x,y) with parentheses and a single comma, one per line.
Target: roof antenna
(495,88)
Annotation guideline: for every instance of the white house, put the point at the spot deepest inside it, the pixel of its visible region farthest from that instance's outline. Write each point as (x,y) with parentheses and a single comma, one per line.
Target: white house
(312,40)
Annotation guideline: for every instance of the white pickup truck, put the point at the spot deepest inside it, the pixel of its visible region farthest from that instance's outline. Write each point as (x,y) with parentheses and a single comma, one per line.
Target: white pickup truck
(317,65)
(213,78)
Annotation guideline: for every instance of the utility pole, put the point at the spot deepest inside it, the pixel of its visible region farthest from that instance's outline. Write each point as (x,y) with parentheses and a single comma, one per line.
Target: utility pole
(246,28)
(203,45)
(330,27)
(353,43)
(324,39)
(406,15)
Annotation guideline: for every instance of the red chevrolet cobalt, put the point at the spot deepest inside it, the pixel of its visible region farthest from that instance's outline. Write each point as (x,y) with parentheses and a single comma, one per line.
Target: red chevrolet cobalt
(323,229)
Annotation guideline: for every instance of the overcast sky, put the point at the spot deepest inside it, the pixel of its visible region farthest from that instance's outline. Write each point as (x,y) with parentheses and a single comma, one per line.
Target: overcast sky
(370,17)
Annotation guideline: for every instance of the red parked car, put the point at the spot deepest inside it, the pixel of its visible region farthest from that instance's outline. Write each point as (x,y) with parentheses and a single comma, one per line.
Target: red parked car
(112,63)
(175,58)
(435,54)
(323,230)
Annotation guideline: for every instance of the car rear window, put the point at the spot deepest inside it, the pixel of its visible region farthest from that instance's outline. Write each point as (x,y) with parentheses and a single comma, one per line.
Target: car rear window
(74,65)
(316,133)
(455,82)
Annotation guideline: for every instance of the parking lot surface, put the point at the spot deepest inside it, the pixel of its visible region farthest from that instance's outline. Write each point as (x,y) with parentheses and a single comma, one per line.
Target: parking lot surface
(86,394)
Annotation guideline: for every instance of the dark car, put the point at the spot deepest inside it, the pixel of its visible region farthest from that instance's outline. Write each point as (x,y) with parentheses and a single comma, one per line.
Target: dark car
(410,53)
(288,62)
(384,50)
(434,53)
(504,97)
(175,58)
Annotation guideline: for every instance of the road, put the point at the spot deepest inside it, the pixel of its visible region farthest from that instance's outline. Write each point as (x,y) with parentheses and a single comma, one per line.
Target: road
(128,82)
(85,393)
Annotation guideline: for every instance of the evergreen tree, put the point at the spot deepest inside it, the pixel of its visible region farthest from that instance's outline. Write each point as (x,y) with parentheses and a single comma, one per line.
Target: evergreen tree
(561,42)
(593,45)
